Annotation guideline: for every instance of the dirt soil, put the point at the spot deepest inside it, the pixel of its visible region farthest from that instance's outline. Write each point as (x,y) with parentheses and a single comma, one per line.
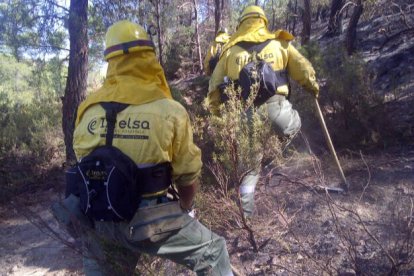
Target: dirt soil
(299,228)
(303,230)
(27,246)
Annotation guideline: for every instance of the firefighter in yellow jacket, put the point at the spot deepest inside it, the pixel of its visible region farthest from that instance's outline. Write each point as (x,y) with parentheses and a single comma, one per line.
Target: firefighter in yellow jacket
(151,130)
(283,58)
(214,51)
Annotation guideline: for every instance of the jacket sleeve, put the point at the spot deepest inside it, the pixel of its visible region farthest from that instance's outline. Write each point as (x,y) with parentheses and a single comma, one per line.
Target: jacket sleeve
(213,96)
(186,159)
(301,70)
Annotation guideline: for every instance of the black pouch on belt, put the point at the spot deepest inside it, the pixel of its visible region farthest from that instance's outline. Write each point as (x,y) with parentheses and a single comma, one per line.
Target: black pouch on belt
(157,222)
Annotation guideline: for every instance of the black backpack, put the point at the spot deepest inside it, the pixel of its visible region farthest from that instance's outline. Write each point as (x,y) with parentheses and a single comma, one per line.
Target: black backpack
(107,178)
(258,71)
(109,183)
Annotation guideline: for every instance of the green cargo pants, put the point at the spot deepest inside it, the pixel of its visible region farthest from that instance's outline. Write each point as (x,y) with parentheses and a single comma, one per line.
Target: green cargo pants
(285,122)
(108,251)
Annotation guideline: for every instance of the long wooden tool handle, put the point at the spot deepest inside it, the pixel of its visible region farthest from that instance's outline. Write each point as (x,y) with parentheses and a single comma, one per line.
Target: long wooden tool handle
(329,141)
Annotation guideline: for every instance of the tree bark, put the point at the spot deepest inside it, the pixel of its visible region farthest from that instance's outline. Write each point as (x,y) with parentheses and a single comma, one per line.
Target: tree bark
(77,71)
(288,11)
(200,59)
(351,34)
(217,15)
(295,15)
(273,16)
(335,18)
(306,22)
(156,4)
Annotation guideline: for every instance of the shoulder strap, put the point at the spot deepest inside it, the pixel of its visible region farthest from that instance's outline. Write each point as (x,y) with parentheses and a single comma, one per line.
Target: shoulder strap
(253,46)
(111,111)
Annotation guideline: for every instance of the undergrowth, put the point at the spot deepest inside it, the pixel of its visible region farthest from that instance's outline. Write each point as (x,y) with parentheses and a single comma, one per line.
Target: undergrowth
(30,142)
(352,108)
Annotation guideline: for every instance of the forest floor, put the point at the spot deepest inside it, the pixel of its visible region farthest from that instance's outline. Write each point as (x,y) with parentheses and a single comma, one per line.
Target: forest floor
(299,228)
(303,230)
(27,247)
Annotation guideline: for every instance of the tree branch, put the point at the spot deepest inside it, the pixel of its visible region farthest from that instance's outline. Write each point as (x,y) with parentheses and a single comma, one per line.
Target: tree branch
(57,5)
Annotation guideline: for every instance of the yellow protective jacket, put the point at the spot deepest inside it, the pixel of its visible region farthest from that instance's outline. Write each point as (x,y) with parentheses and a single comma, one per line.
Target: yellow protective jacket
(279,53)
(213,50)
(152,130)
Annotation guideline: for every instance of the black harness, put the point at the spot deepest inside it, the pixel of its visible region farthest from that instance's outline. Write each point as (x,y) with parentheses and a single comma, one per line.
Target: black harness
(257,71)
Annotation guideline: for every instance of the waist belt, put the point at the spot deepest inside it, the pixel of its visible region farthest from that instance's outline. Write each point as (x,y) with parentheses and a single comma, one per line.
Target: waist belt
(154,181)
(281,79)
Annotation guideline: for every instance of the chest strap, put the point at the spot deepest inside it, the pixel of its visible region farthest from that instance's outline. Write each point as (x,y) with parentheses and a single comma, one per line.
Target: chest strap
(111,111)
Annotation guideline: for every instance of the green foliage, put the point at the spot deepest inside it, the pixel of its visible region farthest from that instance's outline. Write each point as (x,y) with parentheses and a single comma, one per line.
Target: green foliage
(242,136)
(32,27)
(29,105)
(176,94)
(13,79)
(178,59)
(349,102)
(30,121)
(25,126)
(25,80)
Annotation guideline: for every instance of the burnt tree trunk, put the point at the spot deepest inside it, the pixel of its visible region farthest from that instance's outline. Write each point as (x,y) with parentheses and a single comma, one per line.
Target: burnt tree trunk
(295,16)
(335,18)
(288,9)
(200,59)
(218,5)
(273,16)
(351,33)
(156,4)
(306,22)
(77,71)
(160,34)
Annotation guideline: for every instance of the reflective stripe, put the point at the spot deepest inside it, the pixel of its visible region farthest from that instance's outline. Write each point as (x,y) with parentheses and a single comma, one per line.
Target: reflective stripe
(125,46)
(246,189)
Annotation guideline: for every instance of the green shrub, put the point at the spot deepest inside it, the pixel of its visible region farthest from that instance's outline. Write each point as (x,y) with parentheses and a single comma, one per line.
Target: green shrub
(24,126)
(242,136)
(31,140)
(352,109)
(176,94)
(178,54)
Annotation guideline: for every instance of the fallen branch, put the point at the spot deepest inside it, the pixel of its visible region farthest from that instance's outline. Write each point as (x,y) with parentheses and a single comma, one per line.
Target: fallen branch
(394,36)
(369,177)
